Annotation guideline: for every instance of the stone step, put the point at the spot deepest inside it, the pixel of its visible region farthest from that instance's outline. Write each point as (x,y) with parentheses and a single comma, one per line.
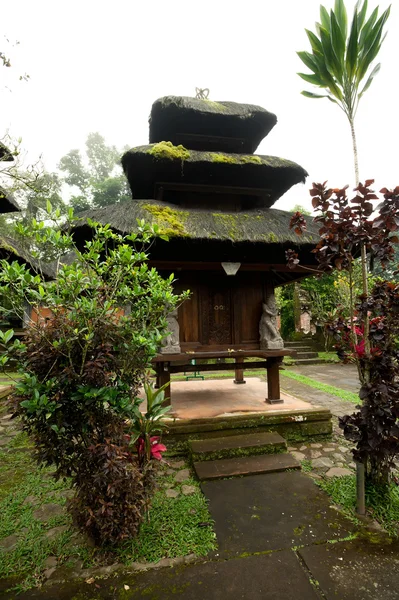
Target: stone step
(237,445)
(310,354)
(299,348)
(309,361)
(249,465)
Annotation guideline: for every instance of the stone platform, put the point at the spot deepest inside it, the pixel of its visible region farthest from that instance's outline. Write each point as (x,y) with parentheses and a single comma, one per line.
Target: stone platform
(219,407)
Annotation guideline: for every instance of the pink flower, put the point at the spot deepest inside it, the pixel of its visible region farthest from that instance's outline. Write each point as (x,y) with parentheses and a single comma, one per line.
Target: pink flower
(156,447)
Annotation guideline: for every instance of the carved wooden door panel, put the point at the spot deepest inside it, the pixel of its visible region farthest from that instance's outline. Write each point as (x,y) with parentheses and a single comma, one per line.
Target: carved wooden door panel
(217,316)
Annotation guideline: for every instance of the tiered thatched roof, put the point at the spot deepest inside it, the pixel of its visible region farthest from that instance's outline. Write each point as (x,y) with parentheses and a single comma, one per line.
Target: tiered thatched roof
(242,125)
(11,250)
(5,153)
(265,226)
(7,202)
(164,162)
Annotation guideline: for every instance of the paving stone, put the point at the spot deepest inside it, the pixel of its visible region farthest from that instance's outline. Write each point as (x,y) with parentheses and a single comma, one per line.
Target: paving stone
(249,465)
(338,456)
(315,454)
(343,449)
(292,448)
(340,464)
(55,531)
(296,512)
(48,572)
(168,485)
(338,472)
(354,570)
(2,429)
(47,511)
(328,449)
(316,445)
(31,500)
(178,464)
(182,475)
(298,455)
(6,417)
(302,448)
(186,490)
(171,493)
(319,463)
(352,465)
(50,562)
(4,441)
(8,543)
(67,494)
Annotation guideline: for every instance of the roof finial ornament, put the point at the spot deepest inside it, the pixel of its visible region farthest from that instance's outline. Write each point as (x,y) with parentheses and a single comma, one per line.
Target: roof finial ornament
(201,93)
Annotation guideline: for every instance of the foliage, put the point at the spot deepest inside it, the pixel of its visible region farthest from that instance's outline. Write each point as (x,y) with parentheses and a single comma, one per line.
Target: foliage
(97,177)
(148,423)
(383,504)
(342,57)
(82,366)
(369,337)
(30,186)
(112,493)
(285,304)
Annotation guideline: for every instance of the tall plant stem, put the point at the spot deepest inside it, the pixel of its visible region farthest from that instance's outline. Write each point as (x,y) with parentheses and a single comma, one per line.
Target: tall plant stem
(365,286)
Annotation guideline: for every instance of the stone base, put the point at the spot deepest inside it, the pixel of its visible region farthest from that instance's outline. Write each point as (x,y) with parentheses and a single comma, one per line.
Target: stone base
(272,345)
(274,401)
(170,350)
(239,382)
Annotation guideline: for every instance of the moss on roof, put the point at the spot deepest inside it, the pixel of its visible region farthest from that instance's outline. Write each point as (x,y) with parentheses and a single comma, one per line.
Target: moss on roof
(163,162)
(268,225)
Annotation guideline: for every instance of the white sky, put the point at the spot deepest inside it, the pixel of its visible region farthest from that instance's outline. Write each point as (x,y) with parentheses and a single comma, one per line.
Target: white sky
(99,65)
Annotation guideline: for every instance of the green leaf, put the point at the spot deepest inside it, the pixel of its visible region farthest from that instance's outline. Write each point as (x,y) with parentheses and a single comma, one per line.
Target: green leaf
(49,207)
(370,79)
(352,50)
(361,14)
(309,60)
(8,335)
(372,46)
(314,42)
(314,79)
(341,17)
(324,18)
(366,29)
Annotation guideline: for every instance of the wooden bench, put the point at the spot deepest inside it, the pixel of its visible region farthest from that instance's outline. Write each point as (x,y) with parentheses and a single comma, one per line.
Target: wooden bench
(165,365)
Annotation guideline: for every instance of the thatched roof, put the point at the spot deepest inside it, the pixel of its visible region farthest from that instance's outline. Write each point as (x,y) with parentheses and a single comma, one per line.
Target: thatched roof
(146,165)
(12,250)
(266,226)
(5,153)
(7,202)
(243,126)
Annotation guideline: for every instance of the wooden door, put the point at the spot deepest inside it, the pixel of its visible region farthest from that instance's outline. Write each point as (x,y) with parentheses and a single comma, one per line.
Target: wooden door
(217,314)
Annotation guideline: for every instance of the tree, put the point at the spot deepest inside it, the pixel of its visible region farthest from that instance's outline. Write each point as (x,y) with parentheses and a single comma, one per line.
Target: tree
(81,368)
(98,177)
(346,224)
(340,60)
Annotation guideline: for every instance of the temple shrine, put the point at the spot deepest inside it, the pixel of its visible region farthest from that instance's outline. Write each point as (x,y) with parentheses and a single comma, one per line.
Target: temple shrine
(200,180)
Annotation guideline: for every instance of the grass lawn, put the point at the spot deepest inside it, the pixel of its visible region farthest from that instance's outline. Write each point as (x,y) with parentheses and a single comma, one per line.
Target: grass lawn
(36,531)
(323,387)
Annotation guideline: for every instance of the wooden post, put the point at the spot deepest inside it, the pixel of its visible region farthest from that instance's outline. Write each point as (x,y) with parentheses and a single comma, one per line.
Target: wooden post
(239,371)
(273,381)
(163,377)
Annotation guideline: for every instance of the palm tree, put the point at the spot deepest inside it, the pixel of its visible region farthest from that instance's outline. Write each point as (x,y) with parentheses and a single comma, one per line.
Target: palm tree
(341,59)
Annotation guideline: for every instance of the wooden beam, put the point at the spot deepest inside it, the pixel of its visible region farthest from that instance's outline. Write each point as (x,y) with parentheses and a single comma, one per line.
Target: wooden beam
(161,186)
(216,367)
(169,265)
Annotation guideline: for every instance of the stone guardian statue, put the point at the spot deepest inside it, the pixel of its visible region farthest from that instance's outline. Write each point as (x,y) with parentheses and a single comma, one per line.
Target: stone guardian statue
(270,338)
